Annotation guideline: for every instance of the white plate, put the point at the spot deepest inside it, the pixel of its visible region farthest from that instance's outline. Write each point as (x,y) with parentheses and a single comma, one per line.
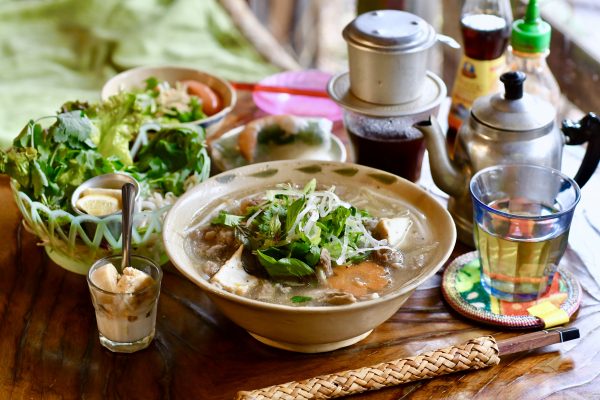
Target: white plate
(336,152)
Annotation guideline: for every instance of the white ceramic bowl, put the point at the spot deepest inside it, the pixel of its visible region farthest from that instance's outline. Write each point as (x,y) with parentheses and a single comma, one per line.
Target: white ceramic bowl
(135,78)
(306,329)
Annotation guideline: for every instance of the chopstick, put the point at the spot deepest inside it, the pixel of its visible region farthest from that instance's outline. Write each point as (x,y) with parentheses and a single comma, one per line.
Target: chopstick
(477,353)
(255,87)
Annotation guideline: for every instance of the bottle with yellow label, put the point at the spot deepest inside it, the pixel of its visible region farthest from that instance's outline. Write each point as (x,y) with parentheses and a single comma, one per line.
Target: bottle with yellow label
(485,26)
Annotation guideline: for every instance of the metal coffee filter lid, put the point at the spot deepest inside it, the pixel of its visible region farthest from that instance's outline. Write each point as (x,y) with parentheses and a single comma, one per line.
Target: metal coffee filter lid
(390,30)
(434,91)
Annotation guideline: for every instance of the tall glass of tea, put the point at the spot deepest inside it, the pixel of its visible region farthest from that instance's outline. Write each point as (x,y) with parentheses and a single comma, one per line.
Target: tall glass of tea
(522,218)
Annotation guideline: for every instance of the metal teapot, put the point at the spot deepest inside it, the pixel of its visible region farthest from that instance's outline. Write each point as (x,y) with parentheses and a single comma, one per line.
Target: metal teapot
(504,128)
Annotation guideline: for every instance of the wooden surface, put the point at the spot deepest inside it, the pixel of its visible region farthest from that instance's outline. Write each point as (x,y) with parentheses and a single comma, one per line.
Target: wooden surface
(49,344)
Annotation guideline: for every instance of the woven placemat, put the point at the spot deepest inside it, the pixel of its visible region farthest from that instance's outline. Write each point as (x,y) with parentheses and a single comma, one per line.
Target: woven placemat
(462,289)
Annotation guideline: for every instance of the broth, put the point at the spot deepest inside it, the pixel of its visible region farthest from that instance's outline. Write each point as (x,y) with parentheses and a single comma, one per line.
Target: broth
(211,247)
(402,156)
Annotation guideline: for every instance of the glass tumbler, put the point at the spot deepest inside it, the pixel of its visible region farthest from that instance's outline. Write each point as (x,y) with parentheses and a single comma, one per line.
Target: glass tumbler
(522,216)
(388,143)
(126,320)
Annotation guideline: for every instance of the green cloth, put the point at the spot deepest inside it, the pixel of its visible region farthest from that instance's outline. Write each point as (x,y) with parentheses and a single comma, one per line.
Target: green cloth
(60,50)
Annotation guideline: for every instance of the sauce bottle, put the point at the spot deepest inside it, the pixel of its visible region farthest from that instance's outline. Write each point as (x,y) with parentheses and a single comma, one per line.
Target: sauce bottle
(530,43)
(485,26)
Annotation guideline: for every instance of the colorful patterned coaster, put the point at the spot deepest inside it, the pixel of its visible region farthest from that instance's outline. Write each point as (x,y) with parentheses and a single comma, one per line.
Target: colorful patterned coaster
(462,289)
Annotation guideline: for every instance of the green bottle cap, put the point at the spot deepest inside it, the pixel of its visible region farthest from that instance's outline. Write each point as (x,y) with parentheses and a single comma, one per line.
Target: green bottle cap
(531,34)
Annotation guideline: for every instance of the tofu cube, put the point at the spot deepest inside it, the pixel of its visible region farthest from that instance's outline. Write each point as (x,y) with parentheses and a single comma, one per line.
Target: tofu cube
(393,229)
(232,276)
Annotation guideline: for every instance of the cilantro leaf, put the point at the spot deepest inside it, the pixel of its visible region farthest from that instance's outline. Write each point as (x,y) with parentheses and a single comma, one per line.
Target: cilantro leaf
(74,128)
(193,114)
(151,83)
(300,299)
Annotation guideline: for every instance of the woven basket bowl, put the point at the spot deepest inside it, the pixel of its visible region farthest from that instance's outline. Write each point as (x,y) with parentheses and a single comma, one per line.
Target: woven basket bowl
(75,242)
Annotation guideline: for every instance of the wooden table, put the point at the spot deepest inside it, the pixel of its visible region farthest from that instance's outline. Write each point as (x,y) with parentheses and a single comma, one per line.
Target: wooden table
(49,344)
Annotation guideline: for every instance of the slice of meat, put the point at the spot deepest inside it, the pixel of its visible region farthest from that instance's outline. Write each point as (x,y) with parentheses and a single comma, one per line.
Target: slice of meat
(360,279)
(387,256)
(217,251)
(336,298)
(251,202)
(323,268)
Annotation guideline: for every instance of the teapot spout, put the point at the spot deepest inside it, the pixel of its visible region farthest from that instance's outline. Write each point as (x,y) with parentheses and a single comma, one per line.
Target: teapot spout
(445,174)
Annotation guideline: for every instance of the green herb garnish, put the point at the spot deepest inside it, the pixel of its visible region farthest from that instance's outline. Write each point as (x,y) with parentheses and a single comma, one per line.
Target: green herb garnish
(171,156)
(151,83)
(227,219)
(91,140)
(300,299)
(289,231)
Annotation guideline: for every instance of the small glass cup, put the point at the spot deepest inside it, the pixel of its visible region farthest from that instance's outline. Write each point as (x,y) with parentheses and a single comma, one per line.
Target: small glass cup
(391,144)
(126,321)
(522,216)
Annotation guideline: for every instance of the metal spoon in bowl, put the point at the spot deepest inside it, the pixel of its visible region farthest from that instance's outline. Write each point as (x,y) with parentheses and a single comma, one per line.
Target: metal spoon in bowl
(128,201)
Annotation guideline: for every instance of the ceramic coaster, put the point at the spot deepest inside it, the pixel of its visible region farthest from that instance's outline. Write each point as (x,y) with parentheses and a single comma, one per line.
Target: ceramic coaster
(462,289)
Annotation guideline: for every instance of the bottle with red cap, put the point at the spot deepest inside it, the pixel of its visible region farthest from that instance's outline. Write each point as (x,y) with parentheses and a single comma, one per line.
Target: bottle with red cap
(485,26)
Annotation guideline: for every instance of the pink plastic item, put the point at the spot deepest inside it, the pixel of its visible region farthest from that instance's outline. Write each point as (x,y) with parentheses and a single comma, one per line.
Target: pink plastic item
(283,103)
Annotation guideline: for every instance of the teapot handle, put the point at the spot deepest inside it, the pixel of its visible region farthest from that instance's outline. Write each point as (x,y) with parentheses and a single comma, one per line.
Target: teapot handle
(586,130)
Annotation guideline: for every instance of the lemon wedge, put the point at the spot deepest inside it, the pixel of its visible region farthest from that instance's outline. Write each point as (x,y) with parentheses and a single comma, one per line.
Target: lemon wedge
(99,204)
(116,193)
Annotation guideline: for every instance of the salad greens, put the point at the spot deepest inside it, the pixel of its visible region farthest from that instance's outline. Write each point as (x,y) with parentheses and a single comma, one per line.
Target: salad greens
(118,121)
(48,164)
(172,155)
(167,104)
(89,140)
(291,228)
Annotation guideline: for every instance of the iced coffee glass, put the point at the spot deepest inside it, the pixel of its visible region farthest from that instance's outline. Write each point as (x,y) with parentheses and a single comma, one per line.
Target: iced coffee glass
(125,301)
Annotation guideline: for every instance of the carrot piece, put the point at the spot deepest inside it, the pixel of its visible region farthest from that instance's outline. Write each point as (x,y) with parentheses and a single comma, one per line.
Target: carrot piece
(360,279)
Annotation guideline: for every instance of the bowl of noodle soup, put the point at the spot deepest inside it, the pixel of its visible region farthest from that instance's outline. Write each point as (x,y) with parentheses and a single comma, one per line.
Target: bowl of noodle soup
(282,316)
